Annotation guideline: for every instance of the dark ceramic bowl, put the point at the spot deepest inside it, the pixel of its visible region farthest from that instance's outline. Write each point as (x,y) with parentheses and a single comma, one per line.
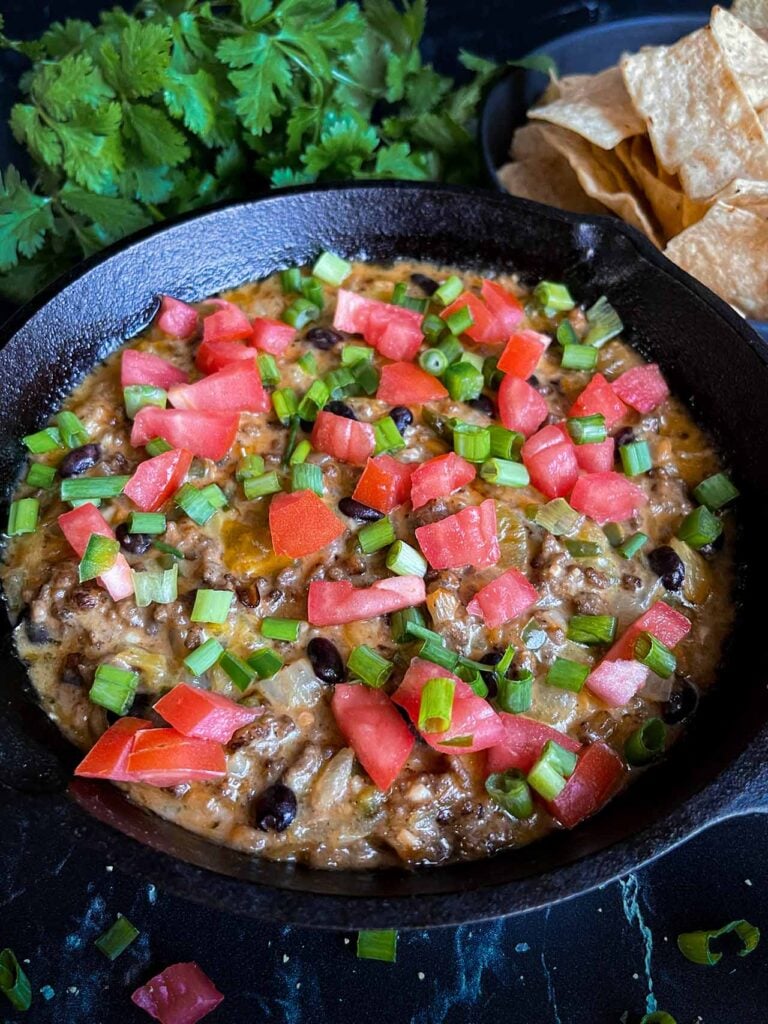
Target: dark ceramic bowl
(711,359)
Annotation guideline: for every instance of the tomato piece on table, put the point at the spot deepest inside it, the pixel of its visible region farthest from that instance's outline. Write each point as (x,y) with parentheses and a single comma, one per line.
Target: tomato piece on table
(523,742)
(215,355)
(384,484)
(504,307)
(181,994)
(597,457)
(551,460)
(208,435)
(301,524)
(607,497)
(406,384)
(599,398)
(202,714)
(486,329)
(228,323)
(163,757)
(468,537)
(372,726)
(177,319)
(335,603)
(156,479)
(77,527)
(272,336)
(108,757)
(236,388)
(642,387)
(344,439)
(521,407)
(617,681)
(503,599)
(439,477)
(145,368)
(594,781)
(523,353)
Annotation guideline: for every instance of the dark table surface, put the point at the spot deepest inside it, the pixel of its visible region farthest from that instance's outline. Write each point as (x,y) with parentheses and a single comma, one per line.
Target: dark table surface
(608,956)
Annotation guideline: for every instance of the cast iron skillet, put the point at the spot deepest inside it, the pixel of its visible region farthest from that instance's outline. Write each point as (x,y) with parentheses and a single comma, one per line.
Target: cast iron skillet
(710,357)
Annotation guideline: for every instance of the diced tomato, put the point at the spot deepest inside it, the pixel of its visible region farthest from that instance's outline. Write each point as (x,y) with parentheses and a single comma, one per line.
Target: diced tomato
(301,524)
(385,484)
(228,323)
(353,311)
(468,537)
(335,603)
(344,439)
(393,330)
(108,757)
(209,435)
(607,497)
(665,623)
(439,477)
(406,384)
(597,774)
(506,309)
(176,318)
(486,329)
(598,397)
(372,726)
(236,388)
(522,354)
(642,387)
(550,459)
(202,714)
(399,339)
(144,368)
(472,718)
(163,757)
(77,526)
(596,458)
(215,355)
(503,599)
(272,335)
(521,407)
(616,682)
(156,479)
(522,743)
(181,994)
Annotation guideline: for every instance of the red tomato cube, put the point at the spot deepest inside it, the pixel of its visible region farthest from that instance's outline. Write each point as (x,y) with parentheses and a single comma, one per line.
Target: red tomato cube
(335,603)
(157,479)
(665,623)
(523,742)
(177,319)
(521,407)
(616,682)
(468,537)
(301,524)
(597,775)
(599,398)
(439,477)
(522,354)
(229,323)
(108,757)
(215,355)
(181,994)
(406,384)
(78,526)
(504,307)
(372,726)
(163,757)
(344,439)
(503,599)
(272,335)
(642,387)
(202,714)
(384,484)
(485,329)
(208,435)
(596,458)
(145,368)
(551,460)
(607,497)
(236,388)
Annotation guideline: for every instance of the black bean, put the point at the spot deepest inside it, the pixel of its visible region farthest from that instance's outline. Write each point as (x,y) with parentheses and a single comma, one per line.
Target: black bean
(37,632)
(402,417)
(624,436)
(275,808)
(248,595)
(327,663)
(136,543)
(483,404)
(682,701)
(80,459)
(668,566)
(323,337)
(357,510)
(340,409)
(491,658)
(533,381)
(427,284)
(307,425)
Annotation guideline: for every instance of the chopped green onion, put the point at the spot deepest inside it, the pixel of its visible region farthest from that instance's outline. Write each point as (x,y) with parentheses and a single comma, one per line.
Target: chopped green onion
(313,401)
(168,549)
(700,528)
(432,327)
(463,381)
(636,458)
(604,323)
(239,671)
(377,945)
(352,354)
(534,637)
(40,475)
(204,657)
(449,290)
(211,605)
(502,666)
(308,364)
(250,467)
(587,429)
(433,361)
(399,621)
(260,486)
(420,630)
(492,375)
(87,487)
(658,1017)
(313,292)
(270,374)
(515,695)
(366,664)
(306,476)
(614,533)
(555,298)
(114,688)
(195,503)
(655,655)
(281,629)
(505,444)
(474,680)
(582,548)
(458,321)
(14,984)
(388,437)
(73,433)
(339,382)
(556,517)
(436,652)
(695,946)
(22,516)
(293,434)
(366,376)
(300,453)
(290,280)
(285,404)
(436,705)
(332,269)
(43,441)
(549,773)
(117,939)
(567,675)
(505,473)
(511,792)
(450,347)
(146,522)
(630,547)
(715,491)
(137,396)
(157,446)
(403,560)
(592,629)
(265,663)
(579,357)
(99,556)
(459,741)
(155,587)
(375,536)
(646,743)
(471,441)
(300,313)
(566,333)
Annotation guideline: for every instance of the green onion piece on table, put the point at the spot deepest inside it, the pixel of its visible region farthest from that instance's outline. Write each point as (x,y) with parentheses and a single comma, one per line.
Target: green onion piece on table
(260,486)
(471,441)
(375,536)
(301,312)
(578,357)
(114,688)
(636,458)
(146,522)
(646,743)
(604,323)
(265,663)
(85,488)
(592,629)
(281,629)
(306,476)
(211,605)
(22,516)
(515,695)
(404,560)
(239,671)
(73,433)
(630,547)
(654,655)
(399,622)
(204,657)
(695,946)
(47,440)
(700,528)
(436,705)
(14,984)
(511,792)
(449,291)
(553,768)
(658,1017)
(715,492)
(155,587)
(505,473)
(587,429)
(138,396)
(566,674)
(117,939)
(377,945)
(388,437)
(463,381)
(99,556)
(433,361)
(366,664)
(268,369)
(332,269)
(553,297)
(40,475)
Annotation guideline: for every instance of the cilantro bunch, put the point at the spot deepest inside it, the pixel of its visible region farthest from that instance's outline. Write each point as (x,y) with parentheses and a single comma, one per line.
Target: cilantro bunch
(186,102)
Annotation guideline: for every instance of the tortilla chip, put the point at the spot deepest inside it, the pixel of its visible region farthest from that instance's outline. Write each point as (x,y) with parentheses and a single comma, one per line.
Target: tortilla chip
(530,143)
(728,252)
(550,180)
(753,13)
(746,54)
(560,87)
(747,195)
(598,108)
(700,122)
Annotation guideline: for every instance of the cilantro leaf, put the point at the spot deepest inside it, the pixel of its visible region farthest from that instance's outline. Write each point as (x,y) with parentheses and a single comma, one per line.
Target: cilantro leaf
(115,217)
(72,81)
(160,142)
(265,78)
(91,147)
(31,131)
(344,144)
(397,161)
(24,219)
(136,66)
(62,38)
(194,99)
